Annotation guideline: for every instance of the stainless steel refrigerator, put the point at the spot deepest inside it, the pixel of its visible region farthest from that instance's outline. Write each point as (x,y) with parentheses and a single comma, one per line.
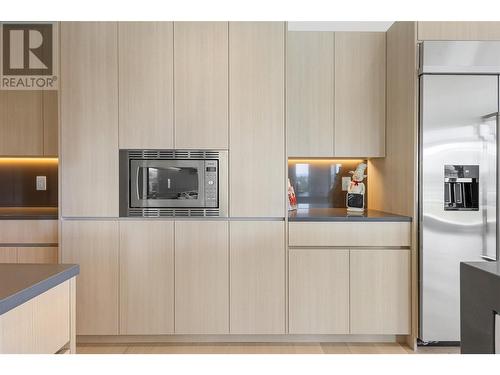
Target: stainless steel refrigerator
(458,208)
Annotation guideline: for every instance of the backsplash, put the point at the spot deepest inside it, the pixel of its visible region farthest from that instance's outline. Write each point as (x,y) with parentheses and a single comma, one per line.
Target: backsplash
(18,182)
(318,182)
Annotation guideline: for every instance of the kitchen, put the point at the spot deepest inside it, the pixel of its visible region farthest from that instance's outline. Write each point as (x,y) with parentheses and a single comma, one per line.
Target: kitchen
(221,184)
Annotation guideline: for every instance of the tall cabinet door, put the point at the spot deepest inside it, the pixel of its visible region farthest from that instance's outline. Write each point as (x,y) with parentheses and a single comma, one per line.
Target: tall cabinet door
(146,84)
(257,264)
(359,94)
(257,131)
(89,119)
(146,277)
(94,246)
(201,84)
(201,277)
(310,89)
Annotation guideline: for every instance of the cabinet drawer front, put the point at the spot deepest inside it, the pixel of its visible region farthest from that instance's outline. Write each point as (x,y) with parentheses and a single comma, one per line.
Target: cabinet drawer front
(349,234)
(28,231)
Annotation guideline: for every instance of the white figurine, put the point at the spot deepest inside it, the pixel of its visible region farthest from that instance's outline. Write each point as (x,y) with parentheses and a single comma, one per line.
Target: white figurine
(355,200)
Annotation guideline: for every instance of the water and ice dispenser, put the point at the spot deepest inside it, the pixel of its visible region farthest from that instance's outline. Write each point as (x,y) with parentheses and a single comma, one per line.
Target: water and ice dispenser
(461,187)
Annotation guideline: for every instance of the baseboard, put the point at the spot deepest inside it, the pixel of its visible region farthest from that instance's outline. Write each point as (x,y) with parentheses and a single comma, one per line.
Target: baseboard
(136,339)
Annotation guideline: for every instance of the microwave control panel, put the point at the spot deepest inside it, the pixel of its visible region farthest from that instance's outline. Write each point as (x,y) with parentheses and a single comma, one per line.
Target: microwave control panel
(211,171)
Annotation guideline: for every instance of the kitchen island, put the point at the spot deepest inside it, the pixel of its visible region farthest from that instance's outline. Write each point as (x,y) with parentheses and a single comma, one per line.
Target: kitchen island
(37,308)
(479,307)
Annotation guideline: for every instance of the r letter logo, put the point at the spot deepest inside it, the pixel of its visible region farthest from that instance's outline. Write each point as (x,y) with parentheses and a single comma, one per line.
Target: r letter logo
(28,56)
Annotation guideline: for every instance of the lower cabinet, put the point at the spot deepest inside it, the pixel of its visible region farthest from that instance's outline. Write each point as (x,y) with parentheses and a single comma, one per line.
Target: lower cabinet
(94,246)
(8,254)
(257,274)
(29,254)
(319,291)
(356,291)
(380,291)
(201,277)
(146,277)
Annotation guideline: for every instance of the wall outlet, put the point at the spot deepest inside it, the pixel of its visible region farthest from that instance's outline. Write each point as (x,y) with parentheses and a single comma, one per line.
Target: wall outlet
(346,181)
(41,182)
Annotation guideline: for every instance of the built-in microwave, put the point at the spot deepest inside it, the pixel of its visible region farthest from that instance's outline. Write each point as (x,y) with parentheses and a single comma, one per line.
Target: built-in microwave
(184,183)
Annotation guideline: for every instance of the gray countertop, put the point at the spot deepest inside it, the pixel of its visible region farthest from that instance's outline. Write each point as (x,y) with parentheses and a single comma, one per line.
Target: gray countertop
(21,282)
(341,214)
(492,268)
(29,213)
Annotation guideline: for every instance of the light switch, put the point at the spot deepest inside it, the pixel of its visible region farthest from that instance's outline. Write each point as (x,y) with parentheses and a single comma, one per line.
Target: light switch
(41,182)
(346,181)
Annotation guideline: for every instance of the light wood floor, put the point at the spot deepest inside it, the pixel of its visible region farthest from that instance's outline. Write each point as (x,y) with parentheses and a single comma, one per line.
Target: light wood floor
(262,348)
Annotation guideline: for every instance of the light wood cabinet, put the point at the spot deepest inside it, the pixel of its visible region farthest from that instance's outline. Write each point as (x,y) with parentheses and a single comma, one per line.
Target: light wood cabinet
(29,232)
(8,255)
(257,274)
(21,123)
(146,277)
(94,246)
(380,291)
(349,234)
(89,119)
(360,69)
(461,30)
(37,254)
(201,84)
(146,84)
(257,134)
(29,254)
(310,93)
(201,277)
(319,291)
(50,107)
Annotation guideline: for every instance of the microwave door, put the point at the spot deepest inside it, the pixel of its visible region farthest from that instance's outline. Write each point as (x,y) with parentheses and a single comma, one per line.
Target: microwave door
(167,183)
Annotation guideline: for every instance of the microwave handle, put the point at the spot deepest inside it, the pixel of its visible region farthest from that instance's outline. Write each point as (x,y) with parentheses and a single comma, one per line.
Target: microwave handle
(139,178)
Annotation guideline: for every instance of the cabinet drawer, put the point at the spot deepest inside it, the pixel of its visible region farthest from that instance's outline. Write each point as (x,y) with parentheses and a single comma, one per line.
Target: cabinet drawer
(28,231)
(349,234)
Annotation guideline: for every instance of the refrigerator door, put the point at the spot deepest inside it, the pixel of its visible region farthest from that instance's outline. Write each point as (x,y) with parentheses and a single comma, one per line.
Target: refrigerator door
(455,130)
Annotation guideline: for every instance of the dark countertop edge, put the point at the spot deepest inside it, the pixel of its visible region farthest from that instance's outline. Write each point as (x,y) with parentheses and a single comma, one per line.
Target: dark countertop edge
(17,299)
(389,218)
(30,217)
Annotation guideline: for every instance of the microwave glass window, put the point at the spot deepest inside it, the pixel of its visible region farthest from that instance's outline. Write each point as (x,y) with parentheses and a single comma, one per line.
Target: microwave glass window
(169,183)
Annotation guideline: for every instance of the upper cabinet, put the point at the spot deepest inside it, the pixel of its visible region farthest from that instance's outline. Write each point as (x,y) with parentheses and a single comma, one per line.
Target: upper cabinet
(89,119)
(201,84)
(257,129)
(461,30)
(28,123)
(336,94)
(146,97)
(310,90)
(359,94)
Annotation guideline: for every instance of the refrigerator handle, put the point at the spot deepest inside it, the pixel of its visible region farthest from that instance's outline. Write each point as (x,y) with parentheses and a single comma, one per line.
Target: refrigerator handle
(497,216)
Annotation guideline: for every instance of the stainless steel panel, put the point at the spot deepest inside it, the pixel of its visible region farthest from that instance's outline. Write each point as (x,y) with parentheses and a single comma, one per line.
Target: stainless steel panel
(461,57)
(453,131)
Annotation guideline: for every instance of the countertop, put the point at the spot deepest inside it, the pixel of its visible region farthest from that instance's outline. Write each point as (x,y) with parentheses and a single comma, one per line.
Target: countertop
(341,214)
(29,213)
(21,282)
(493,268)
